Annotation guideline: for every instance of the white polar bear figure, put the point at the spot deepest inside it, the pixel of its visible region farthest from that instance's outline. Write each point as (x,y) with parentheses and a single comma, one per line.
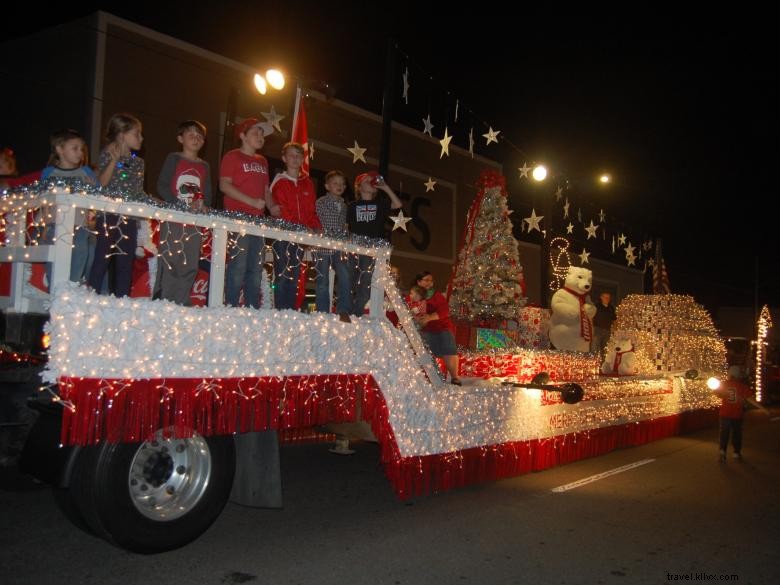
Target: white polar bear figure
(571,323)
(620,359)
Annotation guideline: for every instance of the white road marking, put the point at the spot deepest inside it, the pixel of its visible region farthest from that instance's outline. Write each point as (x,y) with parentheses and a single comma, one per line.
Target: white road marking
(598,476)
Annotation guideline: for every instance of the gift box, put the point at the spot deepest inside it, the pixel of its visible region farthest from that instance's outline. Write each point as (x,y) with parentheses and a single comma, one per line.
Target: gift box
(493,338)
(533,325)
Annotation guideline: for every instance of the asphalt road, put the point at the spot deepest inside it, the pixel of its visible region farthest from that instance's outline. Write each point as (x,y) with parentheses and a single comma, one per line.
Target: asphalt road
(681,513)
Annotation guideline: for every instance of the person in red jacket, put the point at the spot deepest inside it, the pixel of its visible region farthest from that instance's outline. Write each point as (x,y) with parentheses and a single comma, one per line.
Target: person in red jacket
(437,328)
(293,199)
(734,393)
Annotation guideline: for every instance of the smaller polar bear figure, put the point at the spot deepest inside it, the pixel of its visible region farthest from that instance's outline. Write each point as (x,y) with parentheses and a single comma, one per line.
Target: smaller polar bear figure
(620,359)
(571,322)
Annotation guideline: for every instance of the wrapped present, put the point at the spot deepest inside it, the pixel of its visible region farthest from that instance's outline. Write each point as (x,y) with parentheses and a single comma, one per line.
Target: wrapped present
(533,325)
(493,338)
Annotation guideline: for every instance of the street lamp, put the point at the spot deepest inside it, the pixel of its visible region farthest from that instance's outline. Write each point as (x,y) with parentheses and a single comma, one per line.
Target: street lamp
(273,78)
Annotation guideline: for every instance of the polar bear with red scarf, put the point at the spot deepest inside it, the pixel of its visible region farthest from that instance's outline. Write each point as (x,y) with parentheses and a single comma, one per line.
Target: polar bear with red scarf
(571,323)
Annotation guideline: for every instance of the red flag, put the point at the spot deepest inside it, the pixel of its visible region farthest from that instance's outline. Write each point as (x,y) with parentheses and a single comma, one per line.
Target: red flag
(300,134)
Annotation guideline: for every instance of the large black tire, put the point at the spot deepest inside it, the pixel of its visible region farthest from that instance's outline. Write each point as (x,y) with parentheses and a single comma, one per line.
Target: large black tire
(154,496)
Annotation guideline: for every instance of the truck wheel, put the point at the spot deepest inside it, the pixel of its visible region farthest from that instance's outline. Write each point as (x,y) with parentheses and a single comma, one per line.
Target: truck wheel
(157,495)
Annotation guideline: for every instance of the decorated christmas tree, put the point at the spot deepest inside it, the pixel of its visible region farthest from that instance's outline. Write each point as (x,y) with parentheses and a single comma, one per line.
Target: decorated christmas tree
(487,281)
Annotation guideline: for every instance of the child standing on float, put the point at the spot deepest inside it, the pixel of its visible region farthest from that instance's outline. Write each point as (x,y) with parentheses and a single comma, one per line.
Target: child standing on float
(120,171)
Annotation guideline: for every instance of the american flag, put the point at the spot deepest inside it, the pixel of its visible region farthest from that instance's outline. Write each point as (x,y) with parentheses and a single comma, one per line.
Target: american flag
(660,278)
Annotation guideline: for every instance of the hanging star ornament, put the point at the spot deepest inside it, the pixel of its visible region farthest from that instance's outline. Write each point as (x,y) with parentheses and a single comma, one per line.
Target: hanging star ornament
(622,240)
(428,126)
(524,170)
(630,260)
(445,144)
(399,221)
(406,86)
(492,136)
(566,208)
(558,193)
(533,221)
(273,118)
(311,150)
(602,216)
(630,250)
(570,228)
(471,142)
(357,153)
(429,185)
(613,244)
(584,257)
(591,229)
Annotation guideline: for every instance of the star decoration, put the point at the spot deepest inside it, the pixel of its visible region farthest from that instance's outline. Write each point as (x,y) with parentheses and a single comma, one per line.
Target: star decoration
(492,136)
(471,142)
(428,126)
(630,260)
(613,244)
(584,257)
(651,262)
(566,208)
(533,221)
(273,118)
(602,216)
(429,185)
(406,86)
(570,228)
(622,240)
(558,193)
(445,144)
(591,229)
(357,153)
(311,150)
(630,250)
(579,215)
(524,170)
(399,221)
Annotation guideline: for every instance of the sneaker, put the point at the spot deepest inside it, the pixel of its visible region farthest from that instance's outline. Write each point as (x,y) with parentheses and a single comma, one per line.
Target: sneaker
(345,318)
(456,382)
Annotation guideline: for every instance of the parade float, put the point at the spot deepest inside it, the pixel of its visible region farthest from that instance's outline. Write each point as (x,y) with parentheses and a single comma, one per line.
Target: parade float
(153,395)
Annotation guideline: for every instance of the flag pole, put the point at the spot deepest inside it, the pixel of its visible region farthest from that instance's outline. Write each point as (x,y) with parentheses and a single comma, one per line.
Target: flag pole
(298,91)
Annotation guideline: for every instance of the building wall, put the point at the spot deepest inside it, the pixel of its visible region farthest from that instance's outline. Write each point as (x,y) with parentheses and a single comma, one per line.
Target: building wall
(47,86)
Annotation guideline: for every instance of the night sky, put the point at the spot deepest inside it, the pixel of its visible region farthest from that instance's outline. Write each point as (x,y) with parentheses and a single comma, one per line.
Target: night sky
(679,109)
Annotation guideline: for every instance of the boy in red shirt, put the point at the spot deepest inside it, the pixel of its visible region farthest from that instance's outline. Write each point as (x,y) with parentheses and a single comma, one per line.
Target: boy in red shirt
(243,178)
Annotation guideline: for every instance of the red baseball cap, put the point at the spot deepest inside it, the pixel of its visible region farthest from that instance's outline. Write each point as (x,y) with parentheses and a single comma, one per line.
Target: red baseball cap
(362,177)
(248,123)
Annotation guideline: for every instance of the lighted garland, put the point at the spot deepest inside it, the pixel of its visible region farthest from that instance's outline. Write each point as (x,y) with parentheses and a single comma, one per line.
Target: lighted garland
(764,325)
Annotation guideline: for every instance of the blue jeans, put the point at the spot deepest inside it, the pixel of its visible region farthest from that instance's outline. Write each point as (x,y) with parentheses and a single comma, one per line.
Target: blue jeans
(243,271)
(83,253)
(287,268)
(323,260)
(362,271)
